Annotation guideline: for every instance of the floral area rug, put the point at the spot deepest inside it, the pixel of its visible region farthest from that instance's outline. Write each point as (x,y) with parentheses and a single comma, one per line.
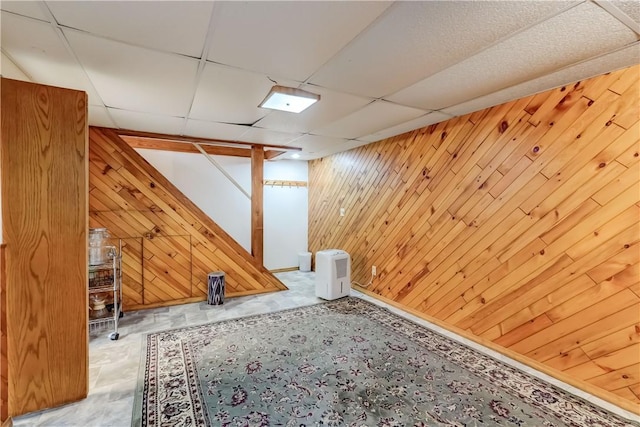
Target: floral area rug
(340,363)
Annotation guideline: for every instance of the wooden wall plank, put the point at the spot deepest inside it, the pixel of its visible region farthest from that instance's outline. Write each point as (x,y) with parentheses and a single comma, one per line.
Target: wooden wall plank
(44,218)
(518,224)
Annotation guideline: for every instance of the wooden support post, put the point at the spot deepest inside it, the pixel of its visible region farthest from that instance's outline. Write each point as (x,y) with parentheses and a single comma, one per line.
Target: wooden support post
(257,227)
(4,363)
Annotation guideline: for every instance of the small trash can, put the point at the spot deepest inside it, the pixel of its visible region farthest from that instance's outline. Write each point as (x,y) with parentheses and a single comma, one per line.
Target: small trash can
(304,261)
(215,288)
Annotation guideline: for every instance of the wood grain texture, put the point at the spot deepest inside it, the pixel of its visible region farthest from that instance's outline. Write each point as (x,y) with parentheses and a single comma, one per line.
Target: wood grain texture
(257,198)
(4,362)
(185,147)
(518,224)
(184,138)
(169,244)
(44,218)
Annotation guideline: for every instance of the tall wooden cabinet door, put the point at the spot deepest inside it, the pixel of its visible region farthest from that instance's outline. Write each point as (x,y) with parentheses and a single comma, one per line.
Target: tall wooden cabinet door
(132,294)
(166,265)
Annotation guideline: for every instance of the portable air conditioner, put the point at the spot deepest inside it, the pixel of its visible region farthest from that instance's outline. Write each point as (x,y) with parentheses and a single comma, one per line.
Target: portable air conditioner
(333,274)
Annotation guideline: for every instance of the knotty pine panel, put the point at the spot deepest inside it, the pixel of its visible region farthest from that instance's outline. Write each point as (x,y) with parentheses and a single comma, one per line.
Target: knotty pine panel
(44,219)
(170,244)
(518,224)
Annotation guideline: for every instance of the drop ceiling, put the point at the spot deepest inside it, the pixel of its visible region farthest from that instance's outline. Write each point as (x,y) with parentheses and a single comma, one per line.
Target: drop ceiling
(382,68)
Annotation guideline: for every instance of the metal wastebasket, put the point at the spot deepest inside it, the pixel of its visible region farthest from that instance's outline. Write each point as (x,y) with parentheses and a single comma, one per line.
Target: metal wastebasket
(215,288)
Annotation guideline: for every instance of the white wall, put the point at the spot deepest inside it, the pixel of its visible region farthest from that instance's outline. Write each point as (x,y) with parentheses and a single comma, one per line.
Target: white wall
(285,214)
(285,209)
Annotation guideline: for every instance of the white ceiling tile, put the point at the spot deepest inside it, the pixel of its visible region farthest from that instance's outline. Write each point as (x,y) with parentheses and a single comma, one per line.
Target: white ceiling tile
(144,122)
(630,7)
(214,130)
(32,9)
(10,70)
(414,40)
(304,156)
(289,39)
(266,137)
(174,26)
(620,59)
(420,122)
(137,79)
(576,35)
(370,119)
(38,50)
(98,116)
(349,145)
(332,106)
(316,143)
(231,95)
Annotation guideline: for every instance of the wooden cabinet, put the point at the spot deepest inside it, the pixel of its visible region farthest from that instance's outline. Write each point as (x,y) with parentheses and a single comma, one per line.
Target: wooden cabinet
(132,288)
(166,266)
(44,178)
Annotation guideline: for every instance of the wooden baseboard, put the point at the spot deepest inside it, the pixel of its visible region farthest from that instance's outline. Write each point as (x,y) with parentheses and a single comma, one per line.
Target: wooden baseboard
(283,270)
(579,384)
(196,299)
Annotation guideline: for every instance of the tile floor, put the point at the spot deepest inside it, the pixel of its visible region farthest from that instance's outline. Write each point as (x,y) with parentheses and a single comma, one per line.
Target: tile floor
(113,365)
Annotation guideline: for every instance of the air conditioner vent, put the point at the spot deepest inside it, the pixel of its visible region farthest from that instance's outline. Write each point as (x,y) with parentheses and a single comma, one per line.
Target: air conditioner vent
(341,268)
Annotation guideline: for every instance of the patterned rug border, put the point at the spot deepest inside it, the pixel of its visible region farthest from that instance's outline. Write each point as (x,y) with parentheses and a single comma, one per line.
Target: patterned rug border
(567,408)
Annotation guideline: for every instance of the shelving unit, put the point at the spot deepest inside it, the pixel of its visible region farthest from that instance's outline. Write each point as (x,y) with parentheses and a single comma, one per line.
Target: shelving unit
(106,278)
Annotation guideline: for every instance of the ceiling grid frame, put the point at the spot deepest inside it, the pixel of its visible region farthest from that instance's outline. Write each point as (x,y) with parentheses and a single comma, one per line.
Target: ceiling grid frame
(269,128)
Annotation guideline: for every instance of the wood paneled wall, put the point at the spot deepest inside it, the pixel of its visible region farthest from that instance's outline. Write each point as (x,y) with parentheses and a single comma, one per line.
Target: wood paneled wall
(169,244)
(44,219)
(518,224)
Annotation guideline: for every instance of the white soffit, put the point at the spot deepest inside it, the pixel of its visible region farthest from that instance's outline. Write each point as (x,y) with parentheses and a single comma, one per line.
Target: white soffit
(620,59)
(174,26)
(331,107)
(231,95)
(414,40)
(98,116)
(420,122)
(9,70)
(136,79)
(38,50)
(144,122)
(583,32)
(266,137)
(370,119)
(316,143)
(289,39)
(32,9)
(224,131)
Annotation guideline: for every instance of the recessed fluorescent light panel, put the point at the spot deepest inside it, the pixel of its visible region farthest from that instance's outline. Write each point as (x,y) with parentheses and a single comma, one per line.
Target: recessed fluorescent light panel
(289,99)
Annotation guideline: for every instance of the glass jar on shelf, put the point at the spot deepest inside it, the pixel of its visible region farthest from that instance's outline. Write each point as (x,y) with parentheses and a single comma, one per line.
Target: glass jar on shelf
(99,249)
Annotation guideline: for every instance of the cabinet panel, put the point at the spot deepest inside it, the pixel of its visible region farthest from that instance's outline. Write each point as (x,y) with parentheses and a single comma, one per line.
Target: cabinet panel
(166,268)
(44,179)
(132,293)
